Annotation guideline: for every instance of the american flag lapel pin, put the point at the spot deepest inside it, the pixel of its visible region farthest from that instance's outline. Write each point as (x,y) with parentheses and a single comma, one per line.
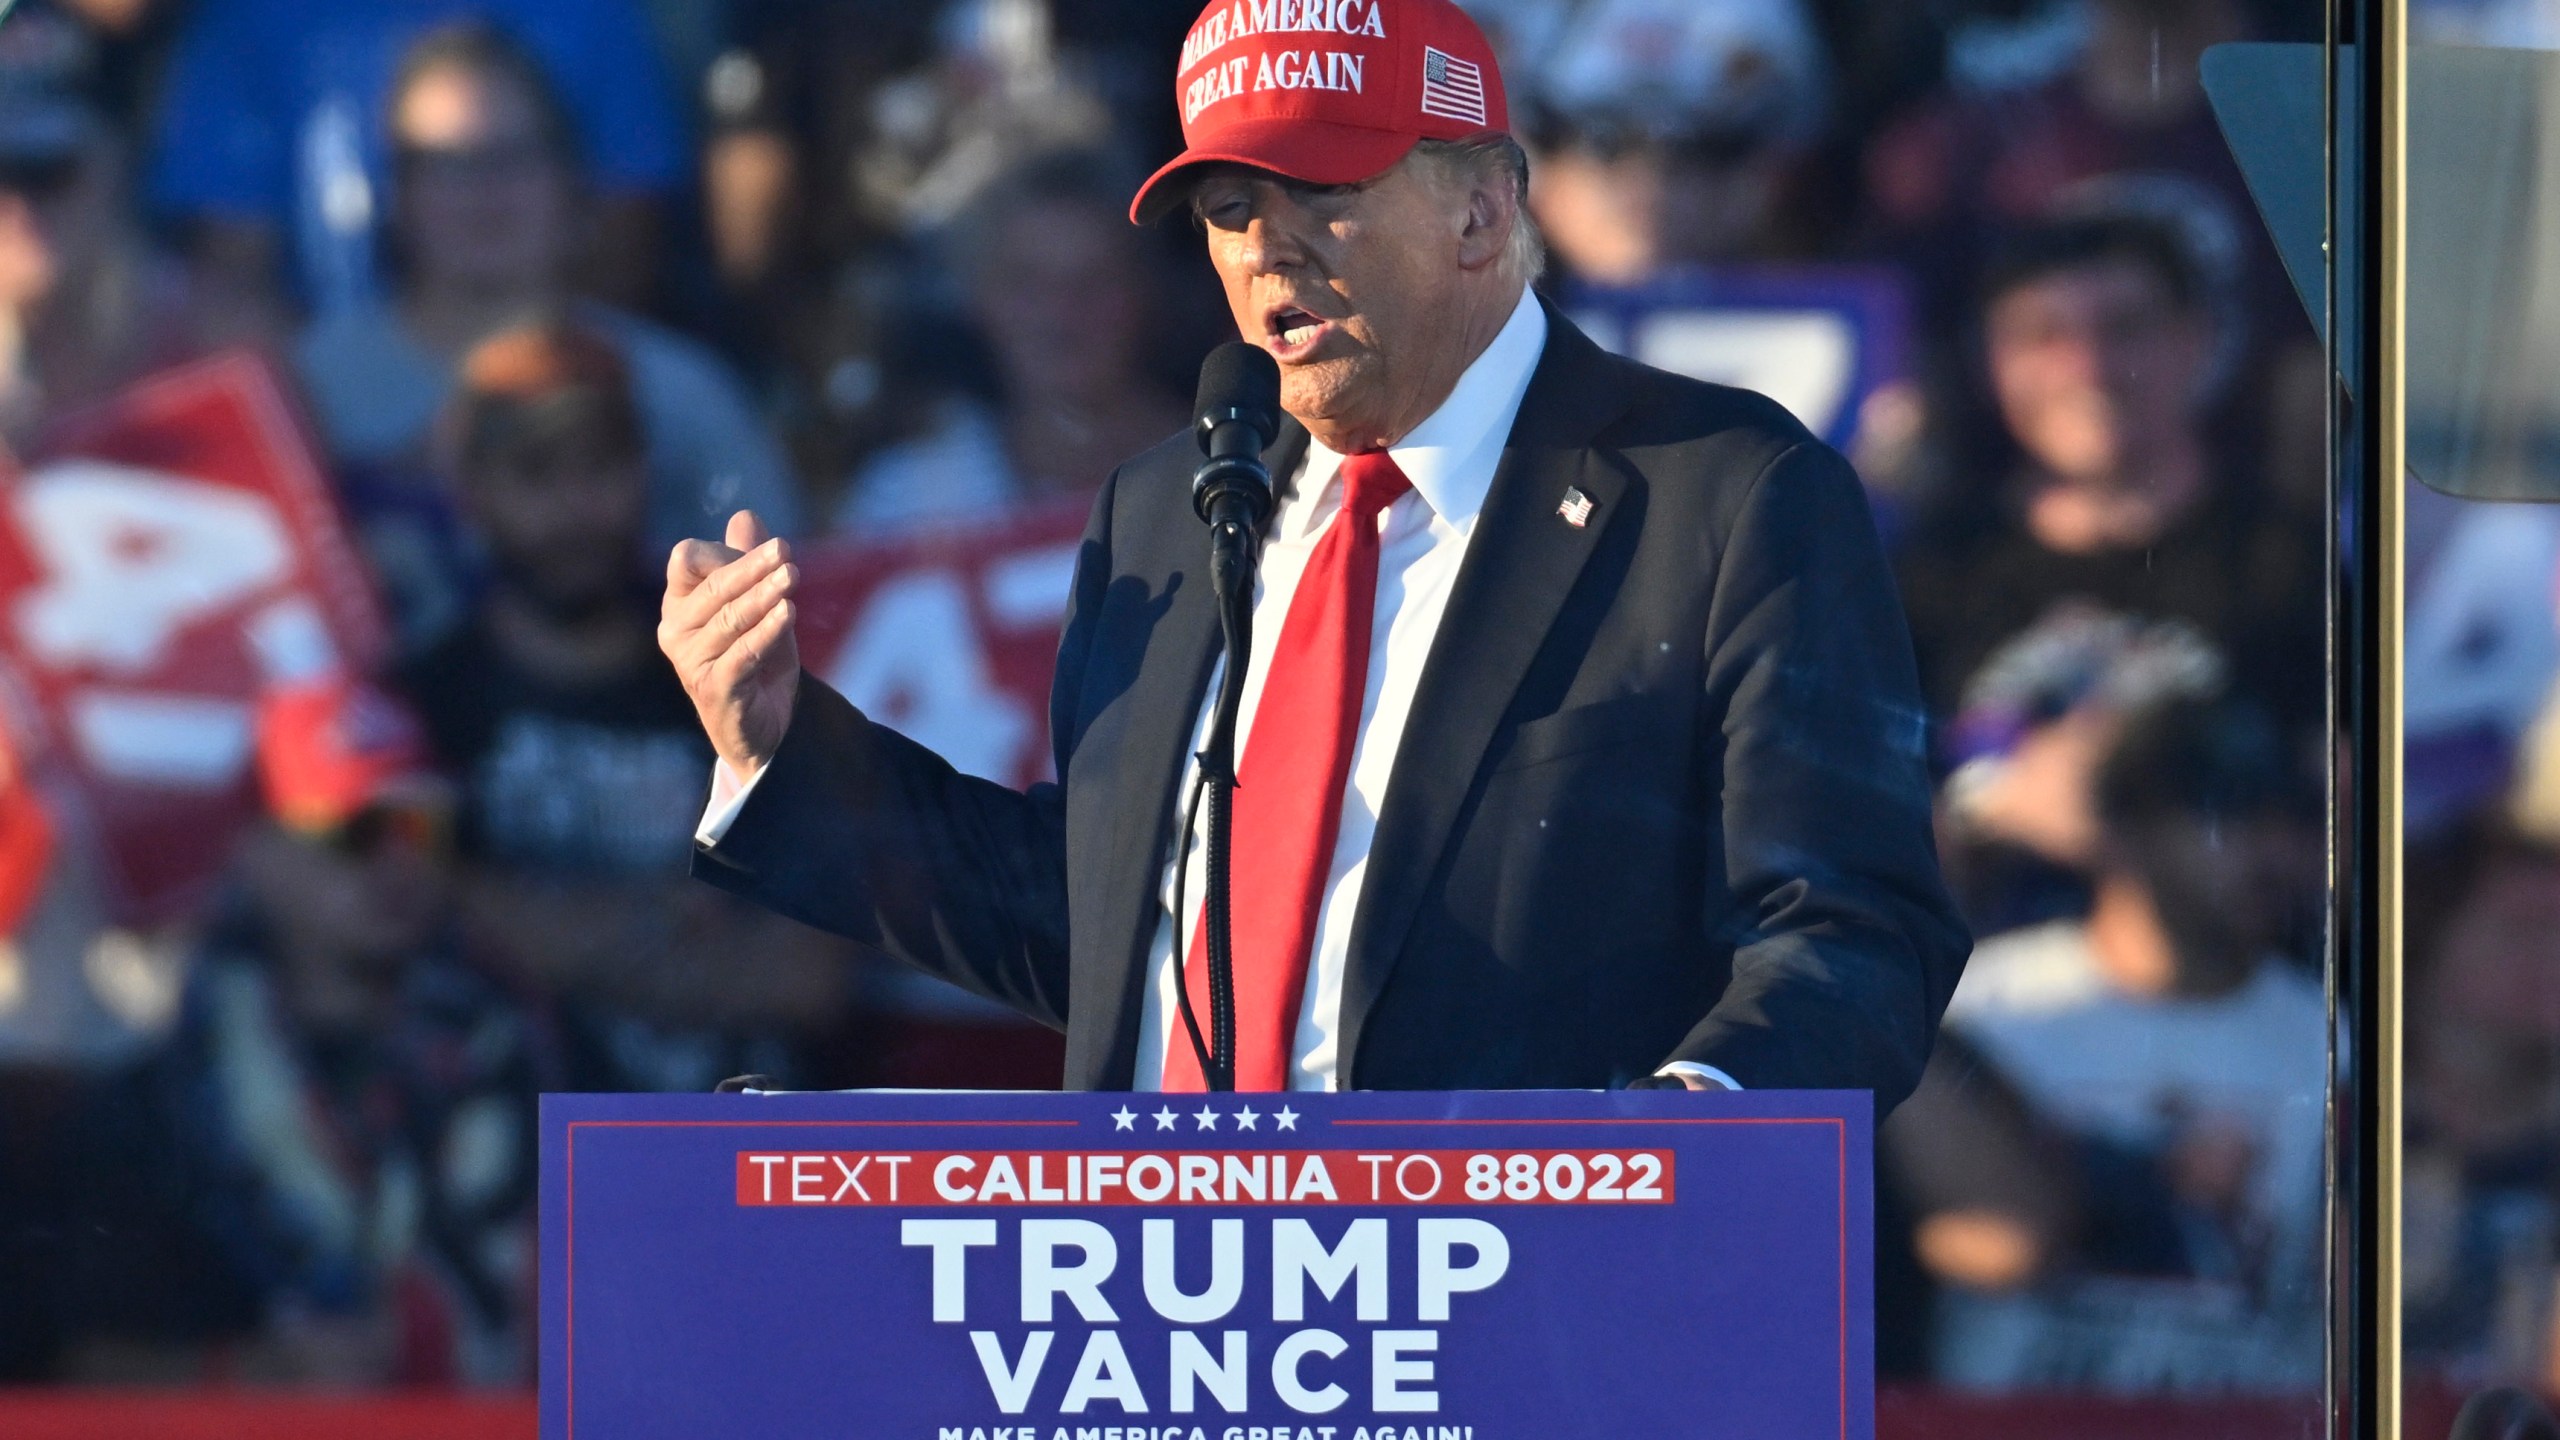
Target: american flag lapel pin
(1576,508)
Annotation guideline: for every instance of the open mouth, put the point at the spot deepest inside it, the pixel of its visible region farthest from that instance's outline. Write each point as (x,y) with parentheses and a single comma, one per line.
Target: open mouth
(1292,333)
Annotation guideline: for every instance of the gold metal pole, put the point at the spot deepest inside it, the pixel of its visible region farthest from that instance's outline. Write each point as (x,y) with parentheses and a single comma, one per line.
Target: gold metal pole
(2390,474)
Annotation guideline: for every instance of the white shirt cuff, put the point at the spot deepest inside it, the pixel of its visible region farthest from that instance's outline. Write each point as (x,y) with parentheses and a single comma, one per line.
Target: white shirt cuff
(728,796)
(1702,1072)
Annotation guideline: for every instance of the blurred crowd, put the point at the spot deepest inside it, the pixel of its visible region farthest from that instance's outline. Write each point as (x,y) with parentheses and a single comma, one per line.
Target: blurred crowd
(557,282)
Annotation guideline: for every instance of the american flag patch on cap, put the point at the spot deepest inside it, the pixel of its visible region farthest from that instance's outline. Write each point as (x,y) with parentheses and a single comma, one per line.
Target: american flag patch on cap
(1452,89)
(1576,508)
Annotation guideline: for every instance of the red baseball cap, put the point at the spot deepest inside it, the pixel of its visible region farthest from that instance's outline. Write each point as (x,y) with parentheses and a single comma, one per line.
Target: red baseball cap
(334,747)
(1330,92)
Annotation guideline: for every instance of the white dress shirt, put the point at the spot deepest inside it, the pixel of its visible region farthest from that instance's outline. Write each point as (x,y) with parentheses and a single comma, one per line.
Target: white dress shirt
(1450,458)
(1422,540)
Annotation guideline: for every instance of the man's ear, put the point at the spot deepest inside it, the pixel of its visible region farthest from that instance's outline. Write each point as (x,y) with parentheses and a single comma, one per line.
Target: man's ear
(1491,212)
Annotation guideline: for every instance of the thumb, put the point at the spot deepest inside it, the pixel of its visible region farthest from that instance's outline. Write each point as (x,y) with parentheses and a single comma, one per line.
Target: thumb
(746,532)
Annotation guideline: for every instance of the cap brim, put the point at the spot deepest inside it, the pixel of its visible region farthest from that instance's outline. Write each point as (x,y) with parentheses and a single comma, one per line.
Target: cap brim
(1313,152)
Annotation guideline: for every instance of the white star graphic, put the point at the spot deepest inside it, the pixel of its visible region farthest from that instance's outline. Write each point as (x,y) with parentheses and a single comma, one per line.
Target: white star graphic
(1208,1118)
(1165,1118)
(1123,1119)
(1245,1118)
(1286,1118)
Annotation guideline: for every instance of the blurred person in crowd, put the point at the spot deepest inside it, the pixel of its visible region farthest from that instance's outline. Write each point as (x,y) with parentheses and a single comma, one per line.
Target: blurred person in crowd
(578,753)
(2147,1108)
(2482,1191)
(1665,132)
(2104,484)
(847,139)
(1951,174)
(344,1122)
(271,145)
(817,281)
(487,202)
(325,1172)
(793,101)
(2018,811)
(86,304)
(2125,125)
(995,89)
(1057,282)
(840,127)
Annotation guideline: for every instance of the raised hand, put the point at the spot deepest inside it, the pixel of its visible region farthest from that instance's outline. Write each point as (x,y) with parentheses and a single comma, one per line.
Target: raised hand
(726,626)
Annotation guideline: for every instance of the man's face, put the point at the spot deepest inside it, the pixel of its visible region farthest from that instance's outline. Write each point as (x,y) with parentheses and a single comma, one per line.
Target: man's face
(2092,363)
(53,217)
(483,200)
(1353,289)
(563,525)
(1060,295)
(349,918)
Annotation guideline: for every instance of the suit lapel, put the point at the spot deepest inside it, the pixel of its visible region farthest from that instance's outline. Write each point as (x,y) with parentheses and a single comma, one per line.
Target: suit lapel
(1164,710)
(1521,564)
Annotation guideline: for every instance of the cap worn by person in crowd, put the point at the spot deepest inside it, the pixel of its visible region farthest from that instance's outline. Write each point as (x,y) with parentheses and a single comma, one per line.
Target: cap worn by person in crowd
(333,749)
(1677,70)
(536,384)
(1325,92)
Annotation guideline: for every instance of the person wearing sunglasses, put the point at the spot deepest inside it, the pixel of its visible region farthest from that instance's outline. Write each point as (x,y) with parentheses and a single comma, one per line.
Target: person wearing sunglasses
(86,303)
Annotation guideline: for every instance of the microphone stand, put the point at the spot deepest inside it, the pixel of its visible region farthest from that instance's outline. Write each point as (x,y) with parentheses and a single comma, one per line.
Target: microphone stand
(1232,559)
(1233,493)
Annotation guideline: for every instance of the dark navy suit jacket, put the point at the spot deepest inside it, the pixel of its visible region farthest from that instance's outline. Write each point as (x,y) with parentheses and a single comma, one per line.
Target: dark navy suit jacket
(1662,794)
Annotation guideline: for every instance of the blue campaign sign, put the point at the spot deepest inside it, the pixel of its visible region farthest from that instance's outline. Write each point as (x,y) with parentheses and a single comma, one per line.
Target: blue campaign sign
(1821,340)
(1480,1266)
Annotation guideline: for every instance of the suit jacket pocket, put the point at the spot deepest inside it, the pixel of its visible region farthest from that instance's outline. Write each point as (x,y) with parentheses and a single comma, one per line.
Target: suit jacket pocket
(1621,721)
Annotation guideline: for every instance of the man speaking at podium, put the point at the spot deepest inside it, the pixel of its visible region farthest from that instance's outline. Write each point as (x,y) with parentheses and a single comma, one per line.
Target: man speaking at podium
(1580,742)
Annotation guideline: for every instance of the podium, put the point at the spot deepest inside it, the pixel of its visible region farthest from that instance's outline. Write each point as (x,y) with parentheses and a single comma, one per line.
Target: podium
(1528,1265)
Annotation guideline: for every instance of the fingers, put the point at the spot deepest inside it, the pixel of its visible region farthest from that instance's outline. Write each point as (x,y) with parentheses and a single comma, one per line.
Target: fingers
(728,584)
(691,562)
(698,632)
(694,561)
(731,622)
(748,654)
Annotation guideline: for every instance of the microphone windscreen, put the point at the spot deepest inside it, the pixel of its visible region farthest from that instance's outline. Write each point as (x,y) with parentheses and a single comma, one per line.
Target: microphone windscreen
(1241,381)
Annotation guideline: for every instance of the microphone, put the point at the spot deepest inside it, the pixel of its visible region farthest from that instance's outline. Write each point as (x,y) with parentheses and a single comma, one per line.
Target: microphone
(1238,407)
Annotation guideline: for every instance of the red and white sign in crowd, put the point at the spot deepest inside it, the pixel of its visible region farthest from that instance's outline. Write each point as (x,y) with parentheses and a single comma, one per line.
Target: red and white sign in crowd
(168,561)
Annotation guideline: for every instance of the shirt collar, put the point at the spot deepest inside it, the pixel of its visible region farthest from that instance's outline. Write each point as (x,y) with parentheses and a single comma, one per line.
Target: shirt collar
(1451,456)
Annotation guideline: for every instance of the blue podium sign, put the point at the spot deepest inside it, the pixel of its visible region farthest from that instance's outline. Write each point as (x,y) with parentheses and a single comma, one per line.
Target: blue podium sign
(966,1266)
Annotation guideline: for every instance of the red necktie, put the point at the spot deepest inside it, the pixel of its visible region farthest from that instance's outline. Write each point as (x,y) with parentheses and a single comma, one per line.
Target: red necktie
(1288,801)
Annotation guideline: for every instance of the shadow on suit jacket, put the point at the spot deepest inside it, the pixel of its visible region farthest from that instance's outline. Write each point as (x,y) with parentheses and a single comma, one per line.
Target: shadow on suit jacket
(1662,794)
